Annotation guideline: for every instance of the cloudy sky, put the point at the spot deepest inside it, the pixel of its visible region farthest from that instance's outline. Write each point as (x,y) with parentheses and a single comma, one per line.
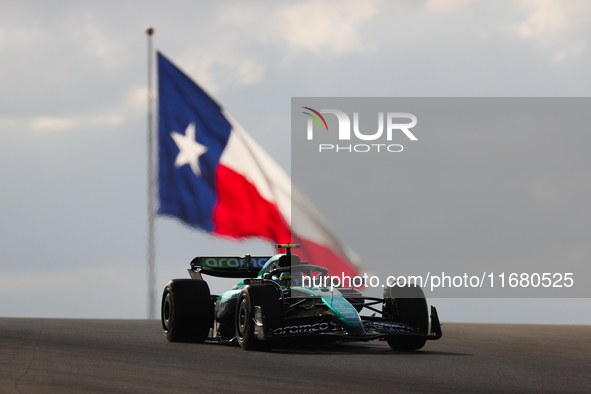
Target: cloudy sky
(73,119)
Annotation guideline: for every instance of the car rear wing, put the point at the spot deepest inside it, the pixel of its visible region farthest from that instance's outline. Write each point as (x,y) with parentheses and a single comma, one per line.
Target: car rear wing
(227,267)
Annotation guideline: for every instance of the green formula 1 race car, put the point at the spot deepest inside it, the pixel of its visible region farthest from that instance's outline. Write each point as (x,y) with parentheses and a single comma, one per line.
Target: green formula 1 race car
(277,301)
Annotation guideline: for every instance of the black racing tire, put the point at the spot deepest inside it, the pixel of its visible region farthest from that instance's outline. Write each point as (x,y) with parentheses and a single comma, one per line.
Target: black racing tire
(266,297)
(406,304)
(187,310)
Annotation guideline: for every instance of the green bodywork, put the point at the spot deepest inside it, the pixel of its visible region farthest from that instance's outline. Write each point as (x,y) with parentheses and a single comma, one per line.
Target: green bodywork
(332,299)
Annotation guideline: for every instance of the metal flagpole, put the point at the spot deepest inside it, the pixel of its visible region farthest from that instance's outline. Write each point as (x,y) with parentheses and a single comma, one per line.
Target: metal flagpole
(151,212)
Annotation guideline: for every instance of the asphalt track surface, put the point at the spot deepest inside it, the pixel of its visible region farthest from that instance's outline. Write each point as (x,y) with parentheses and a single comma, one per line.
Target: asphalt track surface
(132,356)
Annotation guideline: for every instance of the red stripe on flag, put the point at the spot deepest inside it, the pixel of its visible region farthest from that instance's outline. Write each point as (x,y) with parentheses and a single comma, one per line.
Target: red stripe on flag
(241,212)
(321,255)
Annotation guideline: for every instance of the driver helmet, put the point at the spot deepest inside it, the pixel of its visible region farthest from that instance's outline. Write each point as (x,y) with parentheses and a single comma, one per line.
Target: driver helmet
(293,280)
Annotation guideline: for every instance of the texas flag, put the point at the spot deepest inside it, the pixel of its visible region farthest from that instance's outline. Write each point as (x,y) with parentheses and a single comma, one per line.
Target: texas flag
(215,177)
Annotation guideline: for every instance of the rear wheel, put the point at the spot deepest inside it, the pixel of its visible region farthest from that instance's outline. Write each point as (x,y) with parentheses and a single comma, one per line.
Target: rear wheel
(265,297)
(406,304)
(187,310)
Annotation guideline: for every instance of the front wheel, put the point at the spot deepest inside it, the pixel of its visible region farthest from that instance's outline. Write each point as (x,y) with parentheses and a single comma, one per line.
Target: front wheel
(406,304)
(265,297)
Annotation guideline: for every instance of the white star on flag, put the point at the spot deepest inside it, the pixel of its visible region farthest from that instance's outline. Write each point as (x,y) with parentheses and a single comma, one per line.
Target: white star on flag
(189,149)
